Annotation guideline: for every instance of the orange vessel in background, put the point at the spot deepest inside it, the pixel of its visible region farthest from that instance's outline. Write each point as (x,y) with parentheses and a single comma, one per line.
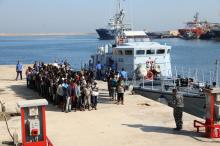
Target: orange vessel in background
(194,29)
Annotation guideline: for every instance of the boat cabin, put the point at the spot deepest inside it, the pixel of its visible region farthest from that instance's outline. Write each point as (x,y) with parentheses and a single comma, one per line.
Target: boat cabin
(135,49)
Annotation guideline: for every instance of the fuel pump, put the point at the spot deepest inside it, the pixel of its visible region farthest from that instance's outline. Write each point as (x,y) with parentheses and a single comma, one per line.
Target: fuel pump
(212,114)
(33,123)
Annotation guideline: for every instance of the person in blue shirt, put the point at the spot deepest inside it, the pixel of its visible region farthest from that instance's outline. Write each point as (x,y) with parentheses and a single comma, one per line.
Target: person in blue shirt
(19,68)
(98,70)
(123,74)
(66,97)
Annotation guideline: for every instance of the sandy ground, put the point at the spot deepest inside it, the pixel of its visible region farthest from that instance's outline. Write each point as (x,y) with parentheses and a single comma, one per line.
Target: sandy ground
(132,124)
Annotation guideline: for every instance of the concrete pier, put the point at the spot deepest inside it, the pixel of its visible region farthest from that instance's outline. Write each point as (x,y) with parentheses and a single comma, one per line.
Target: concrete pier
(139,122)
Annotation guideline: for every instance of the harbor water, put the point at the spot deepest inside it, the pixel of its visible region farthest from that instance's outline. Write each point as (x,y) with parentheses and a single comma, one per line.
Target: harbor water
(187,56)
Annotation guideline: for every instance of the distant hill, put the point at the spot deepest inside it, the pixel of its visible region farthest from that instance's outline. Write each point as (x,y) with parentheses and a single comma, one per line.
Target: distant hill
(43,34)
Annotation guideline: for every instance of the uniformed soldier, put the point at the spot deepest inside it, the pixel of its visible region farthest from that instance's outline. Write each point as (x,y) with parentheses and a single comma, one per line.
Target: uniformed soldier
(177,102)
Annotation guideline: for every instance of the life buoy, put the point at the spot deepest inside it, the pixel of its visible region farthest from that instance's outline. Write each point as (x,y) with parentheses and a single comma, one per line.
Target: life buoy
(149,75)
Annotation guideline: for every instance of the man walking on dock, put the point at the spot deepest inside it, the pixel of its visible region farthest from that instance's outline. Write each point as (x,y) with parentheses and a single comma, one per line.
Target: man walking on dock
(98,70)
(124,74)
(178,105)
(19,68)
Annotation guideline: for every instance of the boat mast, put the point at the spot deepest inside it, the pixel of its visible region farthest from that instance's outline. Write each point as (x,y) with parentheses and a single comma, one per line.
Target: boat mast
(196,18)
(119,6)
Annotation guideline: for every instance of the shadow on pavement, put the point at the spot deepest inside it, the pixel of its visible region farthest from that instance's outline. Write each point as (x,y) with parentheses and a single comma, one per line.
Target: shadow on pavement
(23,92)
(167,130)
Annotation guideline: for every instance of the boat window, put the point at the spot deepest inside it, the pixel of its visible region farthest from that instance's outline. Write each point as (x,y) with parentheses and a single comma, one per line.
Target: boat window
(145,39)
(128,52)
(120,52)
(130,40)
(160,51)
(138,39)
(168,51)
(140,52)
(150,52)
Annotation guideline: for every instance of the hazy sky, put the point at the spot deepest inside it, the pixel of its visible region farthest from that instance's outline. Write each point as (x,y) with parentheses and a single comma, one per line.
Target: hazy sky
(36,16)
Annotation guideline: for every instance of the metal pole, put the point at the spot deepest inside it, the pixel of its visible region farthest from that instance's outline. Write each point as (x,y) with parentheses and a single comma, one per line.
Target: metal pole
(203,76)
(119,5)
(134,80)
(189,73)
(188,81)
(175,71)
(152,87)
(162,84)
(216,78)
(196,76)
(143,82)
(174,82)
(182,72)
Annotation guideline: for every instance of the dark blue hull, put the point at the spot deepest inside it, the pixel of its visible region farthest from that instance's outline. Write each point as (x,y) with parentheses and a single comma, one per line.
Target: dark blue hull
(106,34)
(207,36)
(216,33)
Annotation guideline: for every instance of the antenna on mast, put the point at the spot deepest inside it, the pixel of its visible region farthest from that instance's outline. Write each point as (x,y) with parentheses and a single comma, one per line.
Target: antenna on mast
(119,6)
(196,17)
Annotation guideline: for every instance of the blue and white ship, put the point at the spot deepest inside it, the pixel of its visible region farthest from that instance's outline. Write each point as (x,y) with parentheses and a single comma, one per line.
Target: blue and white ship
(148,65)
(115,25)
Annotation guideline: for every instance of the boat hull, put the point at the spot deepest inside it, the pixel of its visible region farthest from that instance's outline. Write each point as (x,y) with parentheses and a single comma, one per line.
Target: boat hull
(197,31)
(207,35)
(106,34)
(192,104)
(216,33)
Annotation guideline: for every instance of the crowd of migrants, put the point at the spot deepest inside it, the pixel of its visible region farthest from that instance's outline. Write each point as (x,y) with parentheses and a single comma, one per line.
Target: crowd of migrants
(65,88)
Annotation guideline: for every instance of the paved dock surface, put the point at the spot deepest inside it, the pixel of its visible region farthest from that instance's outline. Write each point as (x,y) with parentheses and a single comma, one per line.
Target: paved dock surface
(139,122)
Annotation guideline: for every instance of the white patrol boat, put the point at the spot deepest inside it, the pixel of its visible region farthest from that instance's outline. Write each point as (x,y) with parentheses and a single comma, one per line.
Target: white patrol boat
(148,64)
(132,50)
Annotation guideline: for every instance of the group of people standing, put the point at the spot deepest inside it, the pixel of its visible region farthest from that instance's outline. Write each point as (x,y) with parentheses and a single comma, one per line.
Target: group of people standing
(115,81)
(65,88)
(72,90)
(116,84)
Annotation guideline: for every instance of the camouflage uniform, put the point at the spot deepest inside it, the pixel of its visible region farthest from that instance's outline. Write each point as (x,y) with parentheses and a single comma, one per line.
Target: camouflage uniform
(178,105)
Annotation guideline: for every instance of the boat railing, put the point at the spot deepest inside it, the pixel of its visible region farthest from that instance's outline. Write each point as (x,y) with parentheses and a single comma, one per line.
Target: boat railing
(191,81)
(159,83)
(202,75)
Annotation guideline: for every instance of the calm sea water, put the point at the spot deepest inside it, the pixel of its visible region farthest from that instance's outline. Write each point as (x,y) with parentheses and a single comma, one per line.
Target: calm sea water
(187,55)
(76,49)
